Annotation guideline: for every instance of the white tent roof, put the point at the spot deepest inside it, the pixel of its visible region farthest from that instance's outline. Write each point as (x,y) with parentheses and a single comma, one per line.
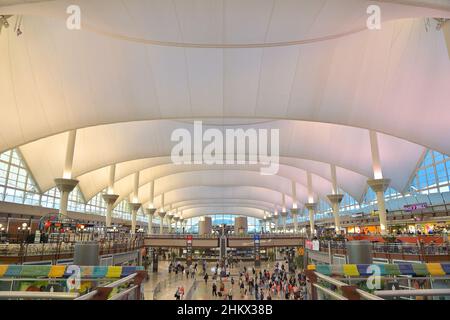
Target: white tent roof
(139,69)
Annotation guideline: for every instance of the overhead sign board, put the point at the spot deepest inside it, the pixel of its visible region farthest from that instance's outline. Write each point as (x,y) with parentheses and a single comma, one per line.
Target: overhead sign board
(415,207)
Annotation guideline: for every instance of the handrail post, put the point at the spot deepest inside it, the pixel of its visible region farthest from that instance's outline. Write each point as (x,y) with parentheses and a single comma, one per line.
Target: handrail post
(350,292)
(312,277)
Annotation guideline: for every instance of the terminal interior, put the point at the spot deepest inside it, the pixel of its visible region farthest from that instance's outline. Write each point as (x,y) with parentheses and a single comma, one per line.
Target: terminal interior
(122,176)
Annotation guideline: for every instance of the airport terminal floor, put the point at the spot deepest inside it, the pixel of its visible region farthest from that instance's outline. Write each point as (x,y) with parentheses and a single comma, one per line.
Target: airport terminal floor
(245,152)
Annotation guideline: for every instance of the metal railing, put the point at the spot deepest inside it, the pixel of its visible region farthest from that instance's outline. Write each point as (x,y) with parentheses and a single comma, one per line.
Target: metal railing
(30,295)
(129,288)
(55,251)
(335,289)
(339,247)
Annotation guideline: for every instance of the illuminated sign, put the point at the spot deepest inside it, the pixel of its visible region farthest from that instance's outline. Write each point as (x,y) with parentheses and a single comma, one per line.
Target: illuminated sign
(415,207)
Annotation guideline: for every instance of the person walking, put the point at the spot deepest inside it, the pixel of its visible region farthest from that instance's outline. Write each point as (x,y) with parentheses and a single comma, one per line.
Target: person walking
(206,278)
(230,294)
(177,294)
(181,292)
(214,289)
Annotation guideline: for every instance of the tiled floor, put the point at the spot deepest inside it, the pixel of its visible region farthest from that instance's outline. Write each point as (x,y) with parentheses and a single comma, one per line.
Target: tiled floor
(168,285)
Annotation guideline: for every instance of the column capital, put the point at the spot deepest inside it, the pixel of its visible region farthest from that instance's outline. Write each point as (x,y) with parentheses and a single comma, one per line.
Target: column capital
(149,211)
(283,214)
(294,211)
(135,206)
(162,214)
(335,198)
(379,185)
(66,185)
(110,198)
(176,218)
(311,206)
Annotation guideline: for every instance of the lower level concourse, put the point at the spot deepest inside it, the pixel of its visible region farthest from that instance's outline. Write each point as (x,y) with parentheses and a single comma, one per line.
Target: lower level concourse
(243,152)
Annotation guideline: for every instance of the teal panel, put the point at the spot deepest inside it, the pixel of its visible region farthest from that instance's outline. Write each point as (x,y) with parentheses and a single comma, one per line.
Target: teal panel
(100,272)
(324,269)
(35,271)
(13,271)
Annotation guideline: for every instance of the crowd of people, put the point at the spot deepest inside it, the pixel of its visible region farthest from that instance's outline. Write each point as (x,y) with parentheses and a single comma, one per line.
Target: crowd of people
(258,285)
(248,283)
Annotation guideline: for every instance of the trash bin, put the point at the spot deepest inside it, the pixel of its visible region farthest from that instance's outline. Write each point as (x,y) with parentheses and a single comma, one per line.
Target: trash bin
(86,254)
(359,252)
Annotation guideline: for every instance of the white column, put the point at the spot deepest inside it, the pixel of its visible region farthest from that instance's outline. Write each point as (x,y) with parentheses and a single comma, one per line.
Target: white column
(112,179)
(335,198)
(162,214)
(275,215)
(110,198)
(169,217)
(378,184)
(294,210)
(70,151)
(66,184)
(150,211)
(283,211)
(311,205)
(134,204)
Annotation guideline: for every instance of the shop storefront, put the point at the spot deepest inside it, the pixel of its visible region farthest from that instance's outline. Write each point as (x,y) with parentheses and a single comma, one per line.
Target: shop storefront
(363,229)
(430,228)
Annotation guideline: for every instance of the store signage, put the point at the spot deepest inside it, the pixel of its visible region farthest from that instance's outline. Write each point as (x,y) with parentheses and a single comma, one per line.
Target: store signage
(357,215)
(37,237)
(257,245)
(312,245)
(189,250)
(415,207)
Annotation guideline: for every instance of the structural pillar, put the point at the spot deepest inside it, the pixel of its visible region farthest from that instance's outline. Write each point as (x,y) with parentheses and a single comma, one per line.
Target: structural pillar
(283,217)
(277,221)
(161,224)
(336,200)
(110,199)
(183,224)
(65,187)
(169,218)
(379,186)
(283,211)
(134,210)
(269,222)
(150,212)
(294,213)
(66,184)
(311,210)
(176,219)
(294,210)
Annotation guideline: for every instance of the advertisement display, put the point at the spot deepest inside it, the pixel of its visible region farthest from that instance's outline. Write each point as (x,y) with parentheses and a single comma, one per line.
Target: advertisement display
(415,207)
(189,250)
